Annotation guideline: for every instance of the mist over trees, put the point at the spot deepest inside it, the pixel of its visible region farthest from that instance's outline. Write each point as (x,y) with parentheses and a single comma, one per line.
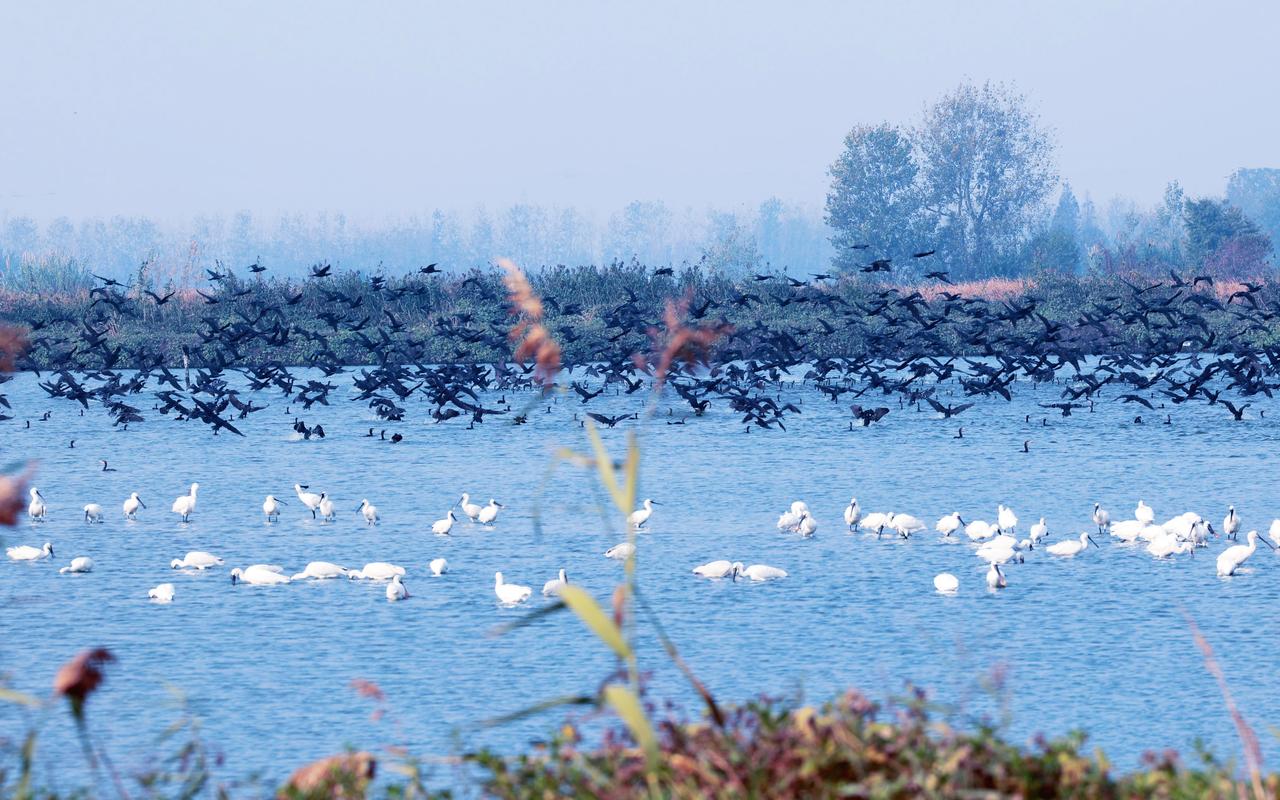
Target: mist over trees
(974,178)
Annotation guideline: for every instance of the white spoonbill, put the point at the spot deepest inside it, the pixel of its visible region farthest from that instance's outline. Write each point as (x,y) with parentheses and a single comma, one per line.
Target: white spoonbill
(621,552)
(808,525)
(945,582)
(259,575)
(905,524)
(162,593)
(320,570)
(376,571)
(469,508)
(510,594)
(995,577)
(186,504)
(489,513)
(718,569)
(441,527)
(25,552)
(132,505)
(1000,550)
(1274,531)
(980,529)
(852,514)
(552,587)
(789,520)
(1167,545)
(309,499)
(92,512)
(37,508)
(1101,517)
(196,559)
(1006,520)
(876,521)
(949,524)
(1144,513)
(1038,531)
(763,572)
(438,566)
(368,511)
(640,516)
(1127,530)
(1229,560)
(1071,547)
(326,509)
(396,590)
(271,508)
(78,564)
(1230,523)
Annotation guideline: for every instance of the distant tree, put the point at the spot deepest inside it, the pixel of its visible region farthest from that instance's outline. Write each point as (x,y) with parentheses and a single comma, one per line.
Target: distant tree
(730,246)
(1256,192)
(875,197)
(1221,239)
(1059,247)
(986,168)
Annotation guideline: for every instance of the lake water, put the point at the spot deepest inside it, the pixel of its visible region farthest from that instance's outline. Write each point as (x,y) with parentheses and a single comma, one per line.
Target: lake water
(1099,642)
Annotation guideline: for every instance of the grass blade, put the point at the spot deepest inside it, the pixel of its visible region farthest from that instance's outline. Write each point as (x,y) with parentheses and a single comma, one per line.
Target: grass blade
(599,623)
(626,704)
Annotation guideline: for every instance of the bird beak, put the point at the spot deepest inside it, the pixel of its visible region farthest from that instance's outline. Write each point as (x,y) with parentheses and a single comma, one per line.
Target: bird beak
(654,503)
(1092,542)
(144,505)
(233,580)
(359,507)
(1268,544)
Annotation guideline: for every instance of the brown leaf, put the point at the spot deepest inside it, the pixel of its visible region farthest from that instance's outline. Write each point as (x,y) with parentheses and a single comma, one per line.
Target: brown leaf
(342,776)
(79,677)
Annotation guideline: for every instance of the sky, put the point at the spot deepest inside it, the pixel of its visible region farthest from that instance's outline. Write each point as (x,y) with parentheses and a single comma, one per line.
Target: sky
(388,109)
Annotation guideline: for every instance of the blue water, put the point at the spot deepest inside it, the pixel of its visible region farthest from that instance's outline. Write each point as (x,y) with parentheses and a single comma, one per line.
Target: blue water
(1099,642)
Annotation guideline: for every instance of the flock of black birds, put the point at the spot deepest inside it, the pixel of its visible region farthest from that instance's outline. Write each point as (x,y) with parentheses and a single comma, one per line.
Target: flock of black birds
(1154,344)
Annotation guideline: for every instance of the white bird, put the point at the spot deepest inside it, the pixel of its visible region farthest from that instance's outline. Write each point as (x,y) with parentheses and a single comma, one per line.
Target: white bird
(1000,550)
(376,571)
(949,524)
(1006,519)
(980,529)
(1168,545)
(259,575)
(132,505)
(1038,531)
(789,520)
(995,577)
(1230,523)
(327,512)
(1101,517)
(852,514)
(438,566)
(489,513)
(469,508)
(370,512)
(905,524)
(1071,547)
(876,521)
(186,504)
(620,552)
(763,572)
(162,593)
(25,552)
(1144,513)
(37,508)
(309,499)
(945,582)
(196,559)
(718,569)
(640,516)
(320,570)
(1274,531)
(271,508)
(553,586)
(92,512)
(396,590)
(78,564)
(808,525)
(510,594)
(1127,530)
(1229,560)
(441,527)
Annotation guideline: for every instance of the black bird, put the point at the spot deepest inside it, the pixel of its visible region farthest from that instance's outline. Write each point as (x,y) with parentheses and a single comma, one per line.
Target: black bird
(868,415)
(430,269)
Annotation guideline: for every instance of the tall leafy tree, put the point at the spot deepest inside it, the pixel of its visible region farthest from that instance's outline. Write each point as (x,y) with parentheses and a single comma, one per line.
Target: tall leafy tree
(874,205)
(1222,240)
(1256,192)
(986,168)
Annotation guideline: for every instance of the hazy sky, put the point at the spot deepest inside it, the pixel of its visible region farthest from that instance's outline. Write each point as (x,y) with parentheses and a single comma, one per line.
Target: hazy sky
(375,109)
